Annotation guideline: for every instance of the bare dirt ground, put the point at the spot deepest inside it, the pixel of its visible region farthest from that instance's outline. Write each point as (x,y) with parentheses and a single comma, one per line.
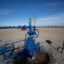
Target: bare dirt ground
(56,35)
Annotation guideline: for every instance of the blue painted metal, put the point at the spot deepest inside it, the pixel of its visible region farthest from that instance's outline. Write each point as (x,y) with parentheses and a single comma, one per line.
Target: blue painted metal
(6,27)
(29,44)
(30,41)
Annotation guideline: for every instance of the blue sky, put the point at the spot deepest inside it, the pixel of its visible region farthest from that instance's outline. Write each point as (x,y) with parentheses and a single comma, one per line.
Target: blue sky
(17,12)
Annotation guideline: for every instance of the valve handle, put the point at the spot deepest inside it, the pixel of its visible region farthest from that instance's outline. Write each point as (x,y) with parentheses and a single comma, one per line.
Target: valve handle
(36,34)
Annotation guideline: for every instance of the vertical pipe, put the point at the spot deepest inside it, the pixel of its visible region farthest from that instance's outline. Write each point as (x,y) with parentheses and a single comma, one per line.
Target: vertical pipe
(30,27)
(34,20)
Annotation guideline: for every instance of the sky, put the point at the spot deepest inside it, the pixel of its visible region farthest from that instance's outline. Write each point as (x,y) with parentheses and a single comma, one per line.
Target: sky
(46,12)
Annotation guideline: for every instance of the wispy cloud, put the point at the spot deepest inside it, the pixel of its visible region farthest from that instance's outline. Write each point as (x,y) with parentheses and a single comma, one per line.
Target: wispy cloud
(57,20)
(5,11)
(55,3)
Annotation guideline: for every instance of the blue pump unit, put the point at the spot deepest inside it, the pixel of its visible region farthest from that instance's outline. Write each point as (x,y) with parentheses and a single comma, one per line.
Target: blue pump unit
(29,44)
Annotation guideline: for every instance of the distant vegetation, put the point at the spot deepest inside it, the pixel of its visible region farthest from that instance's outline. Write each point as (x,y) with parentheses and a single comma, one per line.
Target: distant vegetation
(50,26)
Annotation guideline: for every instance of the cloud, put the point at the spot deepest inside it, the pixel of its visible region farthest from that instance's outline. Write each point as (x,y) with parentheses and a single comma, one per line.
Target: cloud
(5,11)
(55,3)
(55,20)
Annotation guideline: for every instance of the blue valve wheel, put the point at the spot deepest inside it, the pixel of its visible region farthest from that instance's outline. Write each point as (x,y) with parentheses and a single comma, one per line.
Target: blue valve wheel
(35,34)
